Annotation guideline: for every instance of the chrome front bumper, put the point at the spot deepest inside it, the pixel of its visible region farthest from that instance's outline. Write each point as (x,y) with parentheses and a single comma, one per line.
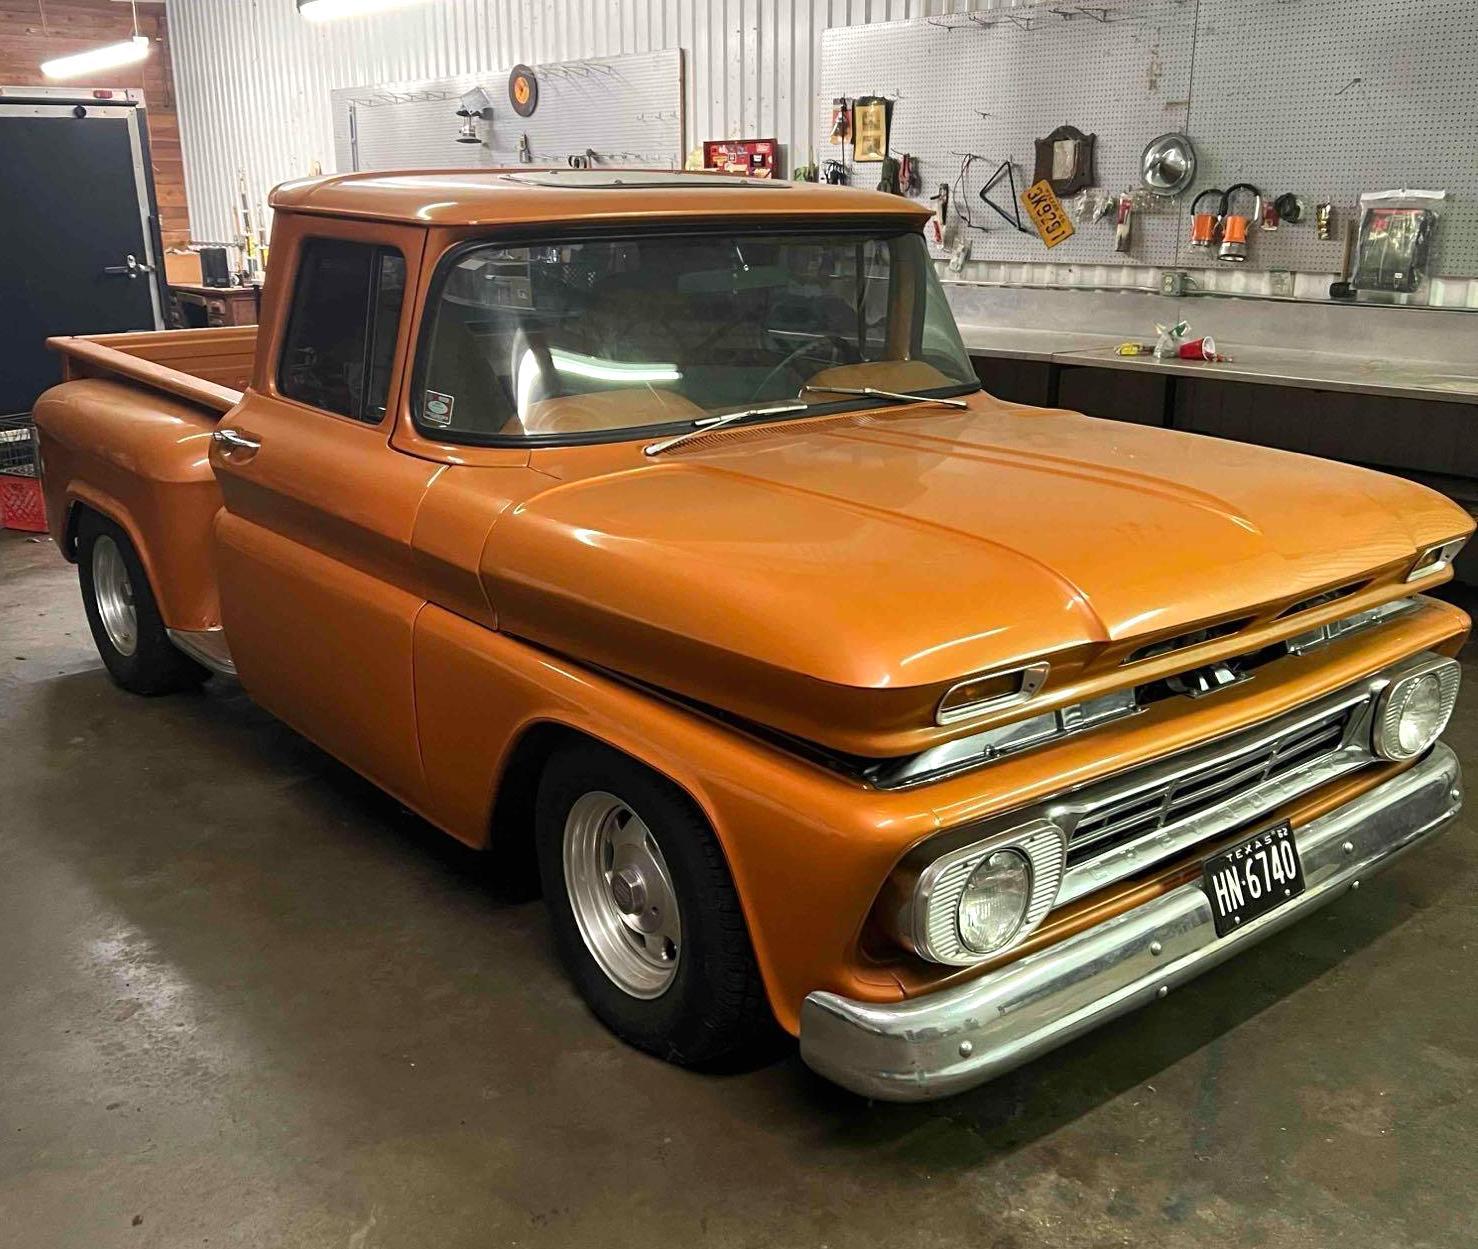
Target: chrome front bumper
(944,1042)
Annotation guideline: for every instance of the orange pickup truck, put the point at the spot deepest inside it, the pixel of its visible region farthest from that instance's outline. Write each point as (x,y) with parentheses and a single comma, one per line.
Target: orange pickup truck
(653,532)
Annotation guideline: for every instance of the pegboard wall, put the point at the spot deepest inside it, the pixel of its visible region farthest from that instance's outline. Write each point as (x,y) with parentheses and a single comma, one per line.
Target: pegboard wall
(962,89)
(1330,98)
(1326,98)
(628,110)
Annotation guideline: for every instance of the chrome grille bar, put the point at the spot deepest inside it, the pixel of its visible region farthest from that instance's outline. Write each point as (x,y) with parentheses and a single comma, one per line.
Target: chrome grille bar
(1119,826)
(1117,821)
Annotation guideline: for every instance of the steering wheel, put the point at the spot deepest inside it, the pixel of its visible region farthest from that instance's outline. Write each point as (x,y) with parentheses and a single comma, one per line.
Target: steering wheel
(838,357)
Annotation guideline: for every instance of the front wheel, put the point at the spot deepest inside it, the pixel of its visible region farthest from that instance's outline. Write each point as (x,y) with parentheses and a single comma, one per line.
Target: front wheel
(123,616)
(645,916)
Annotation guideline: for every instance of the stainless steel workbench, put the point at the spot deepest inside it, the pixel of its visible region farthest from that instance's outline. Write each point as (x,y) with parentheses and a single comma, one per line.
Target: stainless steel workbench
(1258,364)
(1357,346)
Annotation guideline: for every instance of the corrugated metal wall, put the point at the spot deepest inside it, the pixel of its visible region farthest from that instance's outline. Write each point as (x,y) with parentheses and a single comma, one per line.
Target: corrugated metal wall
(253,78)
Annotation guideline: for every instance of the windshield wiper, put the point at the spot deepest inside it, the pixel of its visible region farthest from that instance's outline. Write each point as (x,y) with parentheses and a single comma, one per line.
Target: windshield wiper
(872,392)
(705,424)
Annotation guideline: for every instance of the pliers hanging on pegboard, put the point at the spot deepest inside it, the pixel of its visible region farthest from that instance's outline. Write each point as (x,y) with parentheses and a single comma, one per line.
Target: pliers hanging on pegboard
(940,199)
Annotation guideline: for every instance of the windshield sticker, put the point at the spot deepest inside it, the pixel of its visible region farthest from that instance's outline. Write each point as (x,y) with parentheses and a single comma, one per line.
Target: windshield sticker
(438,408)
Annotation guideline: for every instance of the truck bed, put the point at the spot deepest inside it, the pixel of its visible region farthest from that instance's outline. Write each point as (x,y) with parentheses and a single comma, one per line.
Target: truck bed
(209,367)
(127,435)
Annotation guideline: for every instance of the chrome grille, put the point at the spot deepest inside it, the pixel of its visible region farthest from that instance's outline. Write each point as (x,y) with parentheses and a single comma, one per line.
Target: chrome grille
(1129,817)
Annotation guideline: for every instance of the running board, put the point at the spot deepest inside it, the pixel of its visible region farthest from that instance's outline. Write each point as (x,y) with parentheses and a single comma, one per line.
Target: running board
(205,646)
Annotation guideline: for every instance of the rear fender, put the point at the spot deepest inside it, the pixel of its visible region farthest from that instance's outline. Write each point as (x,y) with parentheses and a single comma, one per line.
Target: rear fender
(140,459)
(80,497)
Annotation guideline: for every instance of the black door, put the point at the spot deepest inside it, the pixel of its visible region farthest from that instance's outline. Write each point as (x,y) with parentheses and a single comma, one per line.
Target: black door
(73,199)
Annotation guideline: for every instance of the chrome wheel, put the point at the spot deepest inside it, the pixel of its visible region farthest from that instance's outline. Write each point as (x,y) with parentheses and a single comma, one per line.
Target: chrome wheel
(113,591)
(622,895)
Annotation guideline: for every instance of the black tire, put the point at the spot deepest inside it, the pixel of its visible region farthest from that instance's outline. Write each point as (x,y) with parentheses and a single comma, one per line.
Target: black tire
(714,1012)
(155,665)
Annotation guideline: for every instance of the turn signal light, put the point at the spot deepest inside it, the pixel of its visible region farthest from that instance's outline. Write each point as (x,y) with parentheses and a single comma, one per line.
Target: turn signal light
(1436,558)
(990,691)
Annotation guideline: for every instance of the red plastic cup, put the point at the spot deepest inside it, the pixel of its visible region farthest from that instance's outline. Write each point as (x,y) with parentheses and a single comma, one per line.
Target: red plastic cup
(1198,349)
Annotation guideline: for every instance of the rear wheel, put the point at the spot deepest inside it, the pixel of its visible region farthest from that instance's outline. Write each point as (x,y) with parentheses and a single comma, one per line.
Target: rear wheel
(645,916)
(123,616)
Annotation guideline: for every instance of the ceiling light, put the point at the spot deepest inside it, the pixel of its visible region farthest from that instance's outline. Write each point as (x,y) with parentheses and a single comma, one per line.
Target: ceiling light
(612,370)
(327,10)
(129,52)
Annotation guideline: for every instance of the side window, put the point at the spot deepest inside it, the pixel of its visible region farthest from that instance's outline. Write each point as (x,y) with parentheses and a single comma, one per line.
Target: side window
(340,344)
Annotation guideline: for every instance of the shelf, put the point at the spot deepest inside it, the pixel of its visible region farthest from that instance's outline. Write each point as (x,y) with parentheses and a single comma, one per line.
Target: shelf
(1028,18)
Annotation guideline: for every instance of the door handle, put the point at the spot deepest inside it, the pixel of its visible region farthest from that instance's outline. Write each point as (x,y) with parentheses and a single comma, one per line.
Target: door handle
(235,440)
(131,267)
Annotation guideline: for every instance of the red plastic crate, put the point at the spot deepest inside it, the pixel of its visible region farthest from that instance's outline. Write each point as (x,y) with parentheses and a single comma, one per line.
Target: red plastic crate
(20,504)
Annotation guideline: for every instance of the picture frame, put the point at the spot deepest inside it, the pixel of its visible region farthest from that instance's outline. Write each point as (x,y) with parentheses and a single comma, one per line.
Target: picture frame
(870,129)
(1065,160)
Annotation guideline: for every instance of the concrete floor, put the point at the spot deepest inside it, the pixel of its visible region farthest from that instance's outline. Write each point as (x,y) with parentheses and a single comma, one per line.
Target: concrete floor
(246,1000)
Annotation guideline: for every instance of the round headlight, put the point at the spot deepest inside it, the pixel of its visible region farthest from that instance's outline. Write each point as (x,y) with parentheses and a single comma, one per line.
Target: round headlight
(995,901)
(1421,715)
(1415,713)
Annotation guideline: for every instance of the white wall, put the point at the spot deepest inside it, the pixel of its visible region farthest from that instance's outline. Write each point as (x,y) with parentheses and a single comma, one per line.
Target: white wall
(252,78)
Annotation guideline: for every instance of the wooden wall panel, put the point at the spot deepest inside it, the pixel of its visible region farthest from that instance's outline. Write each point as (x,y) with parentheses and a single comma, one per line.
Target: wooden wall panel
(32,31)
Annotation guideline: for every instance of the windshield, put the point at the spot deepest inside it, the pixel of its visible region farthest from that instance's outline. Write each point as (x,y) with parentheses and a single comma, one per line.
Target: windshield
(585,339)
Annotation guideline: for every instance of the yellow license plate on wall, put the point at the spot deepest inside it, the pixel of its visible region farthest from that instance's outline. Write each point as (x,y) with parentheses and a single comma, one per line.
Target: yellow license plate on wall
(1045,210)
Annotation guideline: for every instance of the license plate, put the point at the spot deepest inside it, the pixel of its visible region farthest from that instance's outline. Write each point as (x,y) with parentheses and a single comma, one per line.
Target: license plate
(1046,213)
(1253,878)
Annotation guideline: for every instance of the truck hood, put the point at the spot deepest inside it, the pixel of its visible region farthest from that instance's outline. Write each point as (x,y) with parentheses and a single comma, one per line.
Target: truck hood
(830,577)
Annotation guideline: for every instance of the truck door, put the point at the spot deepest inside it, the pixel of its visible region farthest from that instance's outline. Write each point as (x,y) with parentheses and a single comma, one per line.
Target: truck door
(313,554)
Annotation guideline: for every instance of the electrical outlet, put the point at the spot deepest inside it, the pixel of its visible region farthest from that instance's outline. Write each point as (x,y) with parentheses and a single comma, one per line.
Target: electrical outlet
(1172,282)
(1280,282)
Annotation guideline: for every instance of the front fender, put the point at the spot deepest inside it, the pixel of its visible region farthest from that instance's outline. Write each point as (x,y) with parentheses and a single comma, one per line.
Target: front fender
(807,849)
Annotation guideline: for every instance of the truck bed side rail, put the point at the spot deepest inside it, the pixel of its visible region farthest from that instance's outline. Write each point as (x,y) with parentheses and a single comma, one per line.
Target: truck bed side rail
(209,367)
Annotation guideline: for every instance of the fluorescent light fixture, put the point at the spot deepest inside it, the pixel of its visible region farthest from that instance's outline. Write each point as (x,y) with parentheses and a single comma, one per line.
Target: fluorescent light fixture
(109,56)
(612,370)
(327,10)
(527,380)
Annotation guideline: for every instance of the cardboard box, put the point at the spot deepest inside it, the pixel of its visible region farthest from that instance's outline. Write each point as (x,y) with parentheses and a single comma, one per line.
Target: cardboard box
(182,268)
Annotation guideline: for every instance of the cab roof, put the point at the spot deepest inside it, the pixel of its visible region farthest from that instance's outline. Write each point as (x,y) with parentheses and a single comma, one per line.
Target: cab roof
(524,194)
